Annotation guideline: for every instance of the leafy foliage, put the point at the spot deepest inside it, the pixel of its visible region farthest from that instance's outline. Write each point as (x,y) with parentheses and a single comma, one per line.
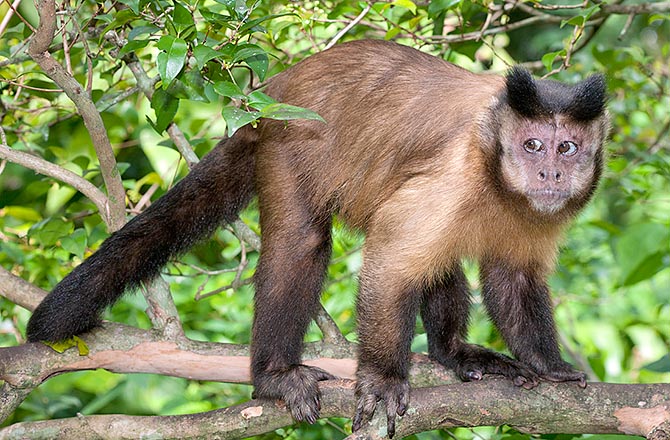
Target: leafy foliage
(205,62)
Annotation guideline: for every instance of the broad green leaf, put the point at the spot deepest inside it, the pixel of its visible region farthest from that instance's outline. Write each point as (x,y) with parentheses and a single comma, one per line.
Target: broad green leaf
(660,366)
(182,17)
(437,7)
(57,196)
(75,243)
(22,213)
(237,118)
(121,18)
(408,4)
(171,60)
(218,19)
(49,231)
(548,59)
(255,57)
(134,5)
(285,112)
(132,46)
(190,85)
(165,105)
(259,100)
(141,30)
(203,54)
(640,251)
(229,89)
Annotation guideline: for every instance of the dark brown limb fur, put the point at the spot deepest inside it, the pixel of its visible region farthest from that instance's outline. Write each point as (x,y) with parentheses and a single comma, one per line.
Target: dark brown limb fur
(518,301)
(296,249)
(444,312)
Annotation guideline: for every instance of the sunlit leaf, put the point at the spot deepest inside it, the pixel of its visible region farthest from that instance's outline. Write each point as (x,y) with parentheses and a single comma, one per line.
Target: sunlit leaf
(171,60)
(237,118)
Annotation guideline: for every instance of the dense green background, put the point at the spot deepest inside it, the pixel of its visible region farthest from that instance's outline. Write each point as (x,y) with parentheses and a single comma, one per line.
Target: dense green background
(612,284)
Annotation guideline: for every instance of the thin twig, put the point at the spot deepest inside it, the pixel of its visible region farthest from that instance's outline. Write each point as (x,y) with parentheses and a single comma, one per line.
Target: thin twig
(346,29)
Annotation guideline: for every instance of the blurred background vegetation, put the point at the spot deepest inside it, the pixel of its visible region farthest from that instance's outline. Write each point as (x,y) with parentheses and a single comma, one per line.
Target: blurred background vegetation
(612,284)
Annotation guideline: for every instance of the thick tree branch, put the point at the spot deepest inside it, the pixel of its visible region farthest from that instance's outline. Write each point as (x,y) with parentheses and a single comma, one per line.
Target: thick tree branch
(600,408)
(20,291)
(114,213)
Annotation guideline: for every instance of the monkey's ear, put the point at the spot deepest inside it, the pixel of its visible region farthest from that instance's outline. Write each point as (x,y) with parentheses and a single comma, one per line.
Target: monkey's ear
(589,98)
(522,93)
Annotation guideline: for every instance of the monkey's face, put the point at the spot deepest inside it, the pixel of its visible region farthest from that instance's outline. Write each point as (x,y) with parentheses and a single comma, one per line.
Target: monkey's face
(551,161)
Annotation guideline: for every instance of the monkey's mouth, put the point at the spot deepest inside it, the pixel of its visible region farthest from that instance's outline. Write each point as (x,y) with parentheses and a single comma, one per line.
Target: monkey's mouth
(547,200)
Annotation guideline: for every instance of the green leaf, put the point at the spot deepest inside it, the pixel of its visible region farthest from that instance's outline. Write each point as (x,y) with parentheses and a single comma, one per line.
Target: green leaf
(182,17)
(165,105)
(121,18)
(134,5)
(49,231)
(74,341)
(437,7)
(259,100)
(190,85)
(171,60)
(548,59)
(286,112)
(203,54)
(255,57)
(75,243)
(141,30)
(251,24)
(217,19)
(132,46)
(22,213)
(237,118)
(640,251)
(229,89)
(408,4)
(660,366)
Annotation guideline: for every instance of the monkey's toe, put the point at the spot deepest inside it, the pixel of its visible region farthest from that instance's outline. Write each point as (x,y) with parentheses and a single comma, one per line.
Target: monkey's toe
(374,387)
(297,386)
(564,373)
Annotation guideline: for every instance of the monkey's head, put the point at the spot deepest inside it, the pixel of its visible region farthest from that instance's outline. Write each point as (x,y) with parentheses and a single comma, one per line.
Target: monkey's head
(550,141)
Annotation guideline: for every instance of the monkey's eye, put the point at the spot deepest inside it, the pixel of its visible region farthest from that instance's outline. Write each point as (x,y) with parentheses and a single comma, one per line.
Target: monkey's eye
(533,145)
(567,148)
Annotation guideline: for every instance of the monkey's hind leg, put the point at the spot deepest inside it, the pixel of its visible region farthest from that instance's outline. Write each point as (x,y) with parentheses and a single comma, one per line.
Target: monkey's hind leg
(444,312)
(295,252)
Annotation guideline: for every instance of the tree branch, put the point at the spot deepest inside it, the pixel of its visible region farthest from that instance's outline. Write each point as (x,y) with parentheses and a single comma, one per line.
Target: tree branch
(49,169)
(20,291)
(114,212)
(600,408)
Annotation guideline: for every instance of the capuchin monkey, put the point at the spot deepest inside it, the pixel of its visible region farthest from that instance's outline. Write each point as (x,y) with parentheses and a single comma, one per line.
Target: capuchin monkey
(434,164)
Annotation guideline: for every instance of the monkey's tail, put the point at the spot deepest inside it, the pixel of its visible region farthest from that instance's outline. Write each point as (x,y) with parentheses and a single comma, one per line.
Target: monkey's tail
(212,193)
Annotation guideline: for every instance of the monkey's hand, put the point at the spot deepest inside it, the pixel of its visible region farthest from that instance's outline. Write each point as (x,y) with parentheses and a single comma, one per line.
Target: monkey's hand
(471,362)
(371,388)
(562,372)
(297,386)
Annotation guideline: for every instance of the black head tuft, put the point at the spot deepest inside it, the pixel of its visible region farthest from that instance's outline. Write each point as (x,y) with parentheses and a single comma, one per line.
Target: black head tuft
(536,98)
(589,98)
(522,93)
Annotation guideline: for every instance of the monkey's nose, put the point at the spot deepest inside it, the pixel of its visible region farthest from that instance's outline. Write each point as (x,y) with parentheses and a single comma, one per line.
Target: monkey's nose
(542,175)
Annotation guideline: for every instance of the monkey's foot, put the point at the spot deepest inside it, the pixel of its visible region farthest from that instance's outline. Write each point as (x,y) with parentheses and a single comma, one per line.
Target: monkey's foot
(563,372)
(471,362)
(373,387)
(297,386)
